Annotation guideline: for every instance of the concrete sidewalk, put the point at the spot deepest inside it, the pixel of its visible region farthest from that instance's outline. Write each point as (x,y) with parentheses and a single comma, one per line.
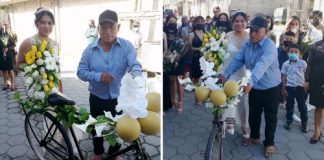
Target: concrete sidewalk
(185,137)
(13,142)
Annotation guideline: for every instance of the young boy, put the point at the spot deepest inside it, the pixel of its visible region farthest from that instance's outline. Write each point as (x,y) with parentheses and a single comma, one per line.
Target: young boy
(293,72)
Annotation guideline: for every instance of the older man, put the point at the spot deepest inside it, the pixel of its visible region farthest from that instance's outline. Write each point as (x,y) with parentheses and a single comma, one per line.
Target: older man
(103,64)
(260,56)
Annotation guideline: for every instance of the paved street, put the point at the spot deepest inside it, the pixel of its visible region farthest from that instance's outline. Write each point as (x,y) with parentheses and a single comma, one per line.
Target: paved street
(13,142)
(185,137)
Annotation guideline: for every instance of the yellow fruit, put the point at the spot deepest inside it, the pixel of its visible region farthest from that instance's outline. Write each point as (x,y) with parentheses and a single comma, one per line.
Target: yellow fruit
(128,128)
(210,55)
(202,93)
(46,89)
(154,102)
(219,68)
(231,88)
(150,124)
(44,76)
(39,55)
(51,84)
(218,97)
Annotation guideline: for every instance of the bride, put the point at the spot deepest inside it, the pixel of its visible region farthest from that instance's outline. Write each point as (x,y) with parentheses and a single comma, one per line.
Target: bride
(236,39)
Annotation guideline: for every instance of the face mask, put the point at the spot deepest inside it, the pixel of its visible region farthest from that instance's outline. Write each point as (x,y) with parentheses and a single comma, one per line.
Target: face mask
(200,26)
(185,24)
(287,43)
(316,22)
(222,23)
(136,29)
(172,26)
(292,56)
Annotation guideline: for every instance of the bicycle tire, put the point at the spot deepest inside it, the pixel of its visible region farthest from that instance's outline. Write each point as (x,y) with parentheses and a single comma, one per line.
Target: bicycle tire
(56,150)
(214,149)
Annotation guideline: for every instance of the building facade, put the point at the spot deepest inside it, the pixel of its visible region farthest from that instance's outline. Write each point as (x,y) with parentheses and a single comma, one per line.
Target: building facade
(72,17)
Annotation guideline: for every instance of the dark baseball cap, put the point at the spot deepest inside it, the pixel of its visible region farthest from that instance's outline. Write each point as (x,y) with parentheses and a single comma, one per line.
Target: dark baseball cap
(108,16)
(258,22)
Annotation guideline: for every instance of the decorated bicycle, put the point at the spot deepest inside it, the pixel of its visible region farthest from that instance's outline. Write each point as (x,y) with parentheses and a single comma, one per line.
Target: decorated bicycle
(220,98)
(50,115)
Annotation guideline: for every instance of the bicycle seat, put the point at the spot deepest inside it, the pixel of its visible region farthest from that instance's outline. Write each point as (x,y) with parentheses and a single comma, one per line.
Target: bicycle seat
(57,100)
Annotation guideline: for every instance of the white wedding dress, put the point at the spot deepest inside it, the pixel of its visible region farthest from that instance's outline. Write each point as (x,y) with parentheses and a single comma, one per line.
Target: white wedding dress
(234,46)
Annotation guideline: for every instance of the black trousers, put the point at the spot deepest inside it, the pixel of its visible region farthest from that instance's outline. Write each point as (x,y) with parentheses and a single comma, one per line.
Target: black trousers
(299,94)
(267,101)
(97,108)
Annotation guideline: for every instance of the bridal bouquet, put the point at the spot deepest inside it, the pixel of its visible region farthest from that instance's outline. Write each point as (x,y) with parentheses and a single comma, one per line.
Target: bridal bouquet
(42,75)
(175,51)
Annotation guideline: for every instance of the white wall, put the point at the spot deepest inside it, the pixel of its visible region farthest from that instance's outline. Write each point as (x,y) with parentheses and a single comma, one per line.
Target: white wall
(72,17)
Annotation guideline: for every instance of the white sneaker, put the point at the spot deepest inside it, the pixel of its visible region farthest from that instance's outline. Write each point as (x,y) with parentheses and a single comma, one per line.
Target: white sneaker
(310,107)
(296,118)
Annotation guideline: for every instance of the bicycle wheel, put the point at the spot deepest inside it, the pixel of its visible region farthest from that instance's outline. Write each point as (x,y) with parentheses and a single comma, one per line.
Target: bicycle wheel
(214,150)
(47,137)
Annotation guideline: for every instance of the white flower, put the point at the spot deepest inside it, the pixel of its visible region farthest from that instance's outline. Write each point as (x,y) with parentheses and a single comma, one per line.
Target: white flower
(41,70)
(35,74)
(44,81)
(212,39)
(29,81)
(54,90)
(214,48)
(47,54)
(28,69)
(207,44)
(109,115)
(99,128)
(31,92)
(39,95)
(50,63)
(33,66)
(91,120)
(37,87)
(40,62)
(211,83)
(225,43)
(209,105)
(202,50)
(56,57)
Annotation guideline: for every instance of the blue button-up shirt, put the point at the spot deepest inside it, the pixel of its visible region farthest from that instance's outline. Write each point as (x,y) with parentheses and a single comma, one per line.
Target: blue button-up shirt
(295,72)
(262,59)
(120,58)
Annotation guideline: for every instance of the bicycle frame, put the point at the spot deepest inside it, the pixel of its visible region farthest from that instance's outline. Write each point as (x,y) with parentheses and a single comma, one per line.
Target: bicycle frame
(136,145)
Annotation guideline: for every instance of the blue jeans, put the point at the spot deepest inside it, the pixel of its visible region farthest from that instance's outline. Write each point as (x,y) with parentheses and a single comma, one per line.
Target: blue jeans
(299,94)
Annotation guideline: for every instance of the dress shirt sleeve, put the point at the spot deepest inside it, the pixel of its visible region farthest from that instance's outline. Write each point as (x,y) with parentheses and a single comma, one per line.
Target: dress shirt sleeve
(269,55)
(84,72)
(132,64)
(235,64)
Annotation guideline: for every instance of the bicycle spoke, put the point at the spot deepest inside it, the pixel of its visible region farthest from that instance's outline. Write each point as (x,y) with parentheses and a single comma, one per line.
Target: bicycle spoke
(53,152)
(57,148)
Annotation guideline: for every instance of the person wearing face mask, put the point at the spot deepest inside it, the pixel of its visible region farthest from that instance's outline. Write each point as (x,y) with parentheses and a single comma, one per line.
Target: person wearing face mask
(289,39)
(184,28)
(293,24)
(223,24)
(196,41)
(216,12)
(177,90)
(293,73)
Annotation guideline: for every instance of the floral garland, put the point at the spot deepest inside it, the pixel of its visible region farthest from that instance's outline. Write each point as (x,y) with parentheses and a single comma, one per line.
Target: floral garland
(214,51)
(42,79)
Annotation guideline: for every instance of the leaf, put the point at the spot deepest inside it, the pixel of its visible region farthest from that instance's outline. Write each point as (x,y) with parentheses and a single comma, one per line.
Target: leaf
(111,139)
(90,128)
(17,95)
(70,119)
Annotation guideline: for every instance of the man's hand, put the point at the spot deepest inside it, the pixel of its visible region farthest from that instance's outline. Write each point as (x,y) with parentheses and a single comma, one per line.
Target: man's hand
(284,91)
(106,78)
(221,79)
(247,89)
(306,86)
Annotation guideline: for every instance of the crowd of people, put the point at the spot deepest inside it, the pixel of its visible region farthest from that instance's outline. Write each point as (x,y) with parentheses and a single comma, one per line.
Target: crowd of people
(280,75)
